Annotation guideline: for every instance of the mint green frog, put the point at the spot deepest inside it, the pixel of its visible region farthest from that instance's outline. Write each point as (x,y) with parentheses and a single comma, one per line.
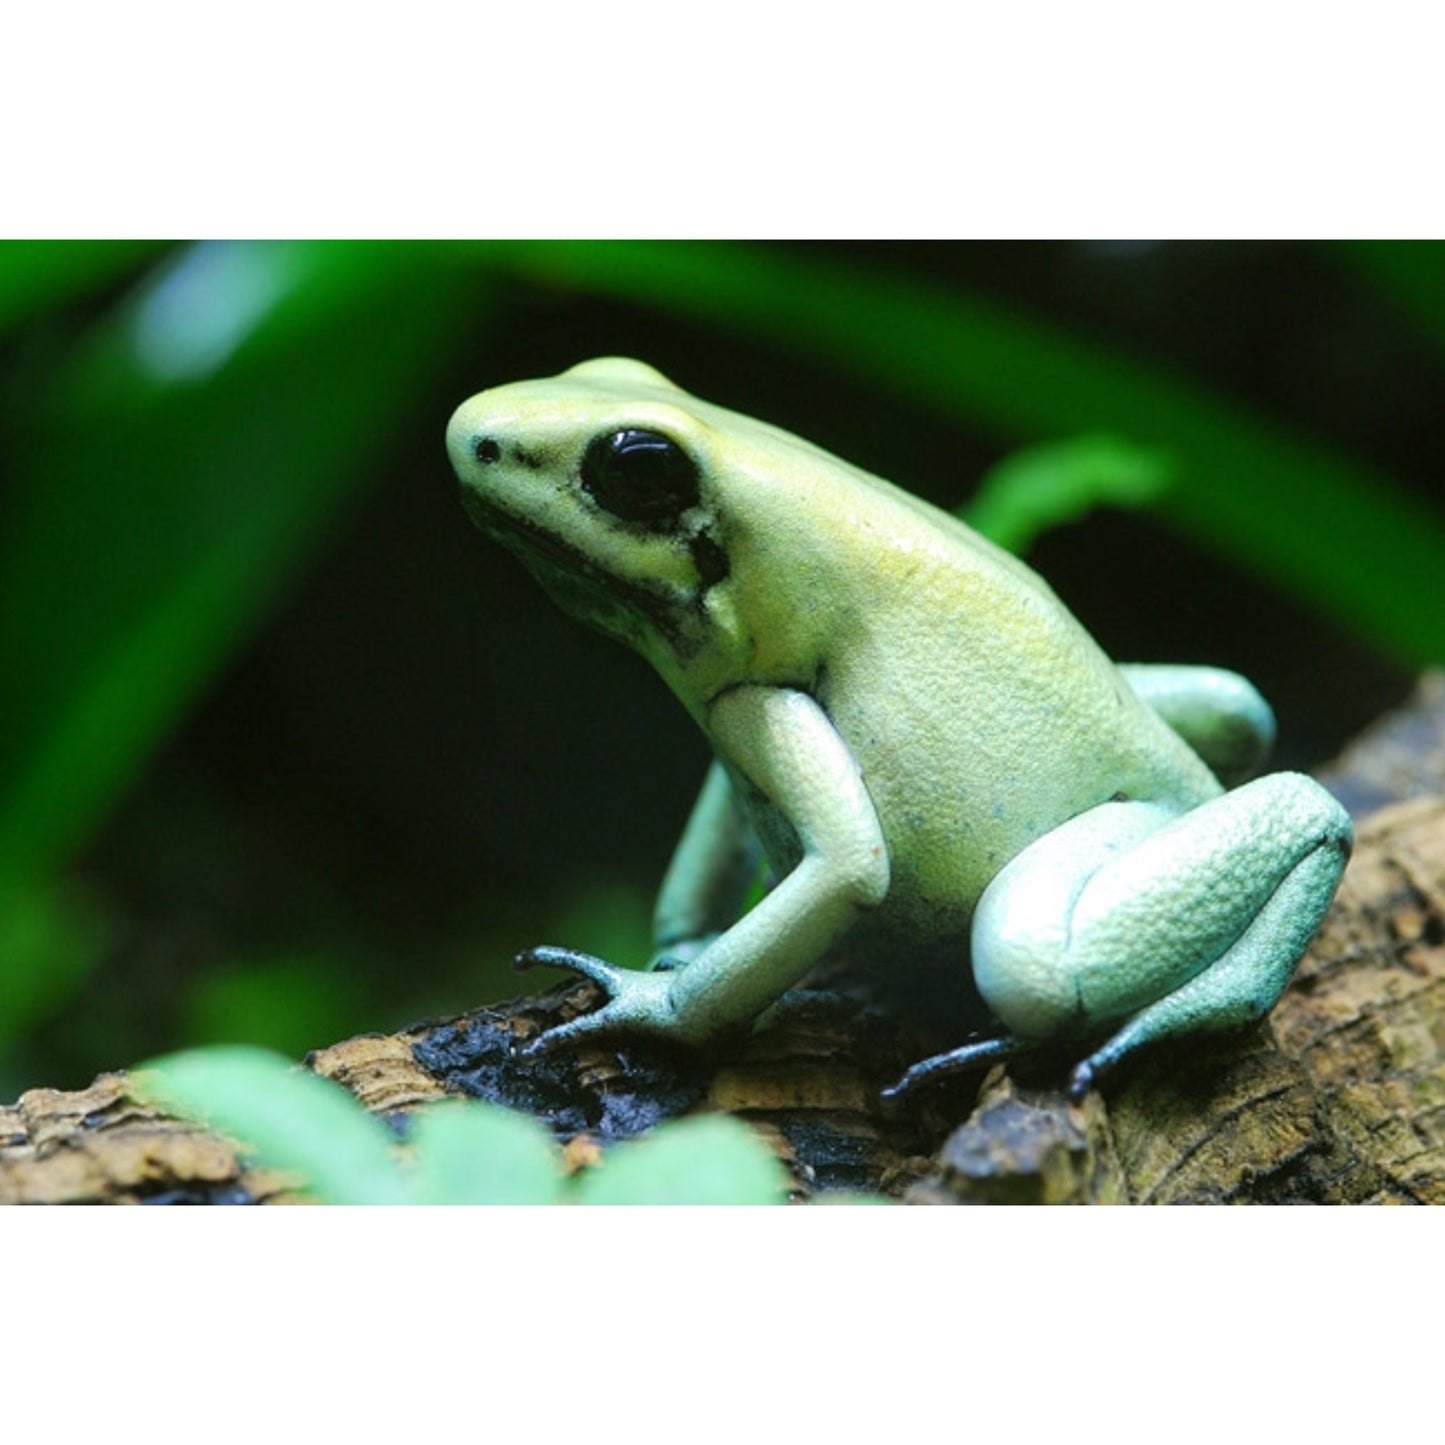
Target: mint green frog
(935,759)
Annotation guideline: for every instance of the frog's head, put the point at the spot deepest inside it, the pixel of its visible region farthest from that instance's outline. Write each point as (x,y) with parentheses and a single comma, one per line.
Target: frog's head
(598,480)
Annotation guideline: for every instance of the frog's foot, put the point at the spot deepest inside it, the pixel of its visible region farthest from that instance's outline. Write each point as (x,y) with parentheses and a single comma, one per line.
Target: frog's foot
(965,1058)
(636,1001)
(1140,923)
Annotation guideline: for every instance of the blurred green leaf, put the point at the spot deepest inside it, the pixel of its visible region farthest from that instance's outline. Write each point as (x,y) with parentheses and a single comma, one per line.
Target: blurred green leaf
(215,427)
(1040,487)
(37,275)
(477,1153)
(293,1120)
(711,1160)
(1339,533)
(462,1152)
(286,1004)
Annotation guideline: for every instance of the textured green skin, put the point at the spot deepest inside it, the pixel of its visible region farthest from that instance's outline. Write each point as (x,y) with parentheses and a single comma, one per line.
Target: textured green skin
(929,747)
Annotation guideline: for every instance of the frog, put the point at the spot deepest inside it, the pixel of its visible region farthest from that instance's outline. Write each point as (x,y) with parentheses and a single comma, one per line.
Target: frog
(933,760)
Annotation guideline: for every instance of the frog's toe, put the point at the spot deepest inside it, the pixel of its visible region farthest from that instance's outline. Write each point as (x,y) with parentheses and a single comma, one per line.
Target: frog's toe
(1081,1080)
(961,1060)
(559,1036)
(546,955)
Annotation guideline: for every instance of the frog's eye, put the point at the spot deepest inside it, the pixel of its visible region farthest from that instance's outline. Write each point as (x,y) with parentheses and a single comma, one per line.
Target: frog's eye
(639,476)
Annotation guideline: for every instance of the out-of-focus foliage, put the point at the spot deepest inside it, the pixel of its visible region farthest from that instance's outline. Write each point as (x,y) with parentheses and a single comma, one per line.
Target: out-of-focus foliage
(185,451)
(1048,485)
(292,1120)
(177,473)
(183,428)
(39,275)
(459,1153)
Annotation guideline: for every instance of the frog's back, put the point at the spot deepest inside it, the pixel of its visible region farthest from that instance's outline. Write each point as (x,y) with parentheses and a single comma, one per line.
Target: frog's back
(982,713)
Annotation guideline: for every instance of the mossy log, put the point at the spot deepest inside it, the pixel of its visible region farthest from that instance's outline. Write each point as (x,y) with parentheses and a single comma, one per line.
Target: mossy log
(1339,1097)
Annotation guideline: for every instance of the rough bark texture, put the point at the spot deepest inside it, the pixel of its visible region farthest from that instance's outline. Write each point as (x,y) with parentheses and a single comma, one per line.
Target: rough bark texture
(1338,1098)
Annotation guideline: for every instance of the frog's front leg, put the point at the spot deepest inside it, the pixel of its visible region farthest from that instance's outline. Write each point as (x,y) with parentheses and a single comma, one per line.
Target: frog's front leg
(716,861)
(782,743)
(1141,922)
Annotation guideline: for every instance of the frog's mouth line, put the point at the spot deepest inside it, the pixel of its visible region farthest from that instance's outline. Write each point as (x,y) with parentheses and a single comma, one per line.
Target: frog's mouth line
(577,583)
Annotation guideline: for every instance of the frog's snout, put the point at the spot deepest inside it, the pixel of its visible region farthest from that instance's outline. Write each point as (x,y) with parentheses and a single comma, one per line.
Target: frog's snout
(470,441)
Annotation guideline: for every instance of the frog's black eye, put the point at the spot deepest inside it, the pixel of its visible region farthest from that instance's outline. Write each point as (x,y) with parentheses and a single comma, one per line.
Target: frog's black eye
(640,476)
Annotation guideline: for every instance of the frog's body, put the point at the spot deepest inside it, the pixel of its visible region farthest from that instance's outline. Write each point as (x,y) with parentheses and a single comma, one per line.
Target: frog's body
(921,736)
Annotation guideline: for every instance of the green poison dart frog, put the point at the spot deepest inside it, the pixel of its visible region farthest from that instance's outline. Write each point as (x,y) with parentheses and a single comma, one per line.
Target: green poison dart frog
(930,752)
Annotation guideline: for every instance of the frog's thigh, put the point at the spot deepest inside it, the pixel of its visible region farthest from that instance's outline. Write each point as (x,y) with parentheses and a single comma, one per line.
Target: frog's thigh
(1177,921)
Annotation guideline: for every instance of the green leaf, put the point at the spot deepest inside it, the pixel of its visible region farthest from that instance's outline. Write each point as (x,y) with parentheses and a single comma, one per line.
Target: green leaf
(292,1119)
(213,429)
(1336,531)
(478,1153)
(711,1160)
(283,1003)
(1045,486)
(37,275)
(207,434)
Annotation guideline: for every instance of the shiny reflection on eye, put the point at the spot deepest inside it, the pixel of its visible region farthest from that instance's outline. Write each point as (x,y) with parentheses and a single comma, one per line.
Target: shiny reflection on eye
(202,307)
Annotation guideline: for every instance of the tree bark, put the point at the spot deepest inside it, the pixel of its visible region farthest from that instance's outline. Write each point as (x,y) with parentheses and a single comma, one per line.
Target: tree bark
(1339,1097)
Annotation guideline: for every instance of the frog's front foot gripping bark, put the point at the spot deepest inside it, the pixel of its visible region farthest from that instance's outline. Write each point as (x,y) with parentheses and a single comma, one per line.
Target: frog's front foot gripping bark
(636,1001)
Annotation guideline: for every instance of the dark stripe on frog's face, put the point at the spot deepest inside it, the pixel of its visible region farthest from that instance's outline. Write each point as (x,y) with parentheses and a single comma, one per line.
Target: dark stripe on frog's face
(634,612)
(711,561)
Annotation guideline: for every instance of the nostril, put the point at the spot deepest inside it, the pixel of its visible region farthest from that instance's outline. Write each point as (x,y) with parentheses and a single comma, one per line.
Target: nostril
(486,451)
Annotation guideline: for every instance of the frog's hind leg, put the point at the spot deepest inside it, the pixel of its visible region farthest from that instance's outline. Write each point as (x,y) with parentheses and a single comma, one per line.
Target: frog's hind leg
(1151,922)
(1219,714)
